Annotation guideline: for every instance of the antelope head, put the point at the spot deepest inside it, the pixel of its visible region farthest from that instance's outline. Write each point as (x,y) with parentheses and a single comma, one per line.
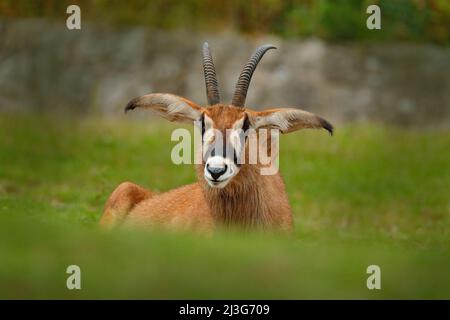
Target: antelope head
(224,127)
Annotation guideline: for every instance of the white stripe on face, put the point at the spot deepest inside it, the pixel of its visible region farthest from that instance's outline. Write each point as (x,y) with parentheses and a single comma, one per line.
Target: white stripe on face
(222,157)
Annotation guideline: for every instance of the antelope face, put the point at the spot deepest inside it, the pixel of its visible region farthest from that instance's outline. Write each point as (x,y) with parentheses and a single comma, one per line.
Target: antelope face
(223,143)
(224,127)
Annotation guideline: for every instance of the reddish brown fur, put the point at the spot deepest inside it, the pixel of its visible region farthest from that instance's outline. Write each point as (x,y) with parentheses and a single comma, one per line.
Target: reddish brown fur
(249,200)
(244,197)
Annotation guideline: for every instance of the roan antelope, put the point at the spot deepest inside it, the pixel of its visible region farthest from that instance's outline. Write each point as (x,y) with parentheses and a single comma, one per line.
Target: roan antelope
(227,192)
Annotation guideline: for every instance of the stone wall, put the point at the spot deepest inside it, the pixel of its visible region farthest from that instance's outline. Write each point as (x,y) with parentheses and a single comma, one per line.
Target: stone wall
(44,66)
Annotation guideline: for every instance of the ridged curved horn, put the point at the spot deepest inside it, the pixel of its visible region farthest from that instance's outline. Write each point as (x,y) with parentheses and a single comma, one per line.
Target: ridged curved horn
(240,93)
(212,86)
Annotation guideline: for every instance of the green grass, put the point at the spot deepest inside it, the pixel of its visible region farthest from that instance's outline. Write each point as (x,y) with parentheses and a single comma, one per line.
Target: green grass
(369,195)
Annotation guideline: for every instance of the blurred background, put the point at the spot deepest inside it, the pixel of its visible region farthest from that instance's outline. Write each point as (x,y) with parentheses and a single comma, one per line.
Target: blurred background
(327,60)
(377,192)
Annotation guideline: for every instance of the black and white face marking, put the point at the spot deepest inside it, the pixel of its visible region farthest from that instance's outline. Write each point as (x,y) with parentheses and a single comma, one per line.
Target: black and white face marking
(222,150)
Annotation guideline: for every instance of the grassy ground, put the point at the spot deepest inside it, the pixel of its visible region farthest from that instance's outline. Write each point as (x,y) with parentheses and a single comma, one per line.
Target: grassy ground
(369,195)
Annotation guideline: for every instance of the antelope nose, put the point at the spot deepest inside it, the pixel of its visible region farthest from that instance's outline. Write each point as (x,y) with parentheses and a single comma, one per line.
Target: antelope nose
(216,172)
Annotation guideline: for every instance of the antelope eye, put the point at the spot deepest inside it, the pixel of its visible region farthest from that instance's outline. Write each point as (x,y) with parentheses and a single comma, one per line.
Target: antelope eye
(246,124)
(203,124)
(236,137)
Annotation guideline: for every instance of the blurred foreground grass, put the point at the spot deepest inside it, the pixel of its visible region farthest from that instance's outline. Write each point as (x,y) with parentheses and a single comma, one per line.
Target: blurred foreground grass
(369,195)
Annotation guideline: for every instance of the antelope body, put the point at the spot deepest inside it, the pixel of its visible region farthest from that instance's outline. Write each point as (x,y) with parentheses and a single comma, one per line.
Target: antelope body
(228,192)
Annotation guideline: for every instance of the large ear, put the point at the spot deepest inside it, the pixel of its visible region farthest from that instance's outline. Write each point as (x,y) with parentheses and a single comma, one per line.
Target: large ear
(169,106)
(287,120)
